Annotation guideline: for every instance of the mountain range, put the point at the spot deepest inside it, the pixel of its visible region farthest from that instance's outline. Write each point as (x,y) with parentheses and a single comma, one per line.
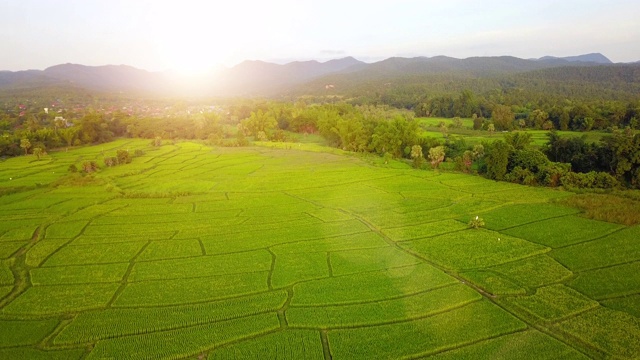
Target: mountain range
(255,78)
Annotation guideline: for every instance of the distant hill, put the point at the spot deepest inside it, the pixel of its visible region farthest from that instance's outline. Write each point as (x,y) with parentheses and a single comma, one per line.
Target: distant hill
(259,77)
(347,75)
(595,58)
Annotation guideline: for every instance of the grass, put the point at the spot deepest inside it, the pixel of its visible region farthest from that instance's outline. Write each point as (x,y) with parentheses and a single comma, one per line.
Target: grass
(607,207)
(553,303)
(105,324)
(614,332)
(288,344)
(472,249)
(184,342)
(474,322)
(521,345)
(609,282)
(21,333)
(282,251)
(384,311)
(563,231)
(618,248)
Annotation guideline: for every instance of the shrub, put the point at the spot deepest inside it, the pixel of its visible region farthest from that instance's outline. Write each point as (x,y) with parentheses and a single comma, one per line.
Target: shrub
(590,180)
(72,168)
(476,223)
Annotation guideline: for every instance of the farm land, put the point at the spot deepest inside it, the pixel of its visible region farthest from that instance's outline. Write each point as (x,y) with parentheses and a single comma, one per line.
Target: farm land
(301,252)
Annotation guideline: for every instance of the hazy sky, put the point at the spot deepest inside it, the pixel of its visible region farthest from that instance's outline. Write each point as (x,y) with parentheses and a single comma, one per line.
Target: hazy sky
(193,35)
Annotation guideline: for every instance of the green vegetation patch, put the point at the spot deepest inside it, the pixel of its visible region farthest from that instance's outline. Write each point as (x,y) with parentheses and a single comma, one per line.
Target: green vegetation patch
(371,286)
(122,238)
(169,249)
(42,250)
(5,290)
(365,240)
(9,248)
(186,341)
(95,254)
(473,248)
(19,333)
(103,273)
(363,260)
(57,299)
(562,231)
(288,344)
(22,233)
(184,291)
(383,311)
(519,214)
(35,354)
(629,304)
(291,268)
(250,240)
(65,230)
(534,271)
(328,215)
(476,321)
(609,282)
(553,303)
(6,275)
(92,212)
(529,344)
(202,266)
(493,283)
(614,332)
(424,230)
(102,324)
(620,247)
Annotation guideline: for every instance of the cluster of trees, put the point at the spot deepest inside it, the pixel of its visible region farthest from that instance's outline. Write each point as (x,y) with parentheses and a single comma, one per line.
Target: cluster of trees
(571,162)
(508,114)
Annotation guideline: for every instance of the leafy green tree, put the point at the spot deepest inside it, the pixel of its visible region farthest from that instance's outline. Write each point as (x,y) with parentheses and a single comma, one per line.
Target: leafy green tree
(416,155)
(502,117)
(497,160)
(436,156)
(25,144)
(38,152)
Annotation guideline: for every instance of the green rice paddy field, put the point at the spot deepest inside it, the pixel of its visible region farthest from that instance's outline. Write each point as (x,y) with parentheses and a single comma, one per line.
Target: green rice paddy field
(300,253)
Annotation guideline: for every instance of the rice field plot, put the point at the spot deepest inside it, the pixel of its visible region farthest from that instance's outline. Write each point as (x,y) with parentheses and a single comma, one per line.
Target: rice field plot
(610,282)
(106,273)
(104,324)
(481,321)
(519,345)
(287,344)
(363,260)
(420,305)
(533,272)
(614,332)
(370,286)
(184,342)
(35,354)
(629,304)
(553,303)
(258,239)
(202,266)
(563,231)
(428,229)
(95,254)
(9,248)
(618,248)
(60,299)
(192,290)
(171,249)
(365,240)
(6,275)
(473,249)
(291,268)
(21,332)
(519,214)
